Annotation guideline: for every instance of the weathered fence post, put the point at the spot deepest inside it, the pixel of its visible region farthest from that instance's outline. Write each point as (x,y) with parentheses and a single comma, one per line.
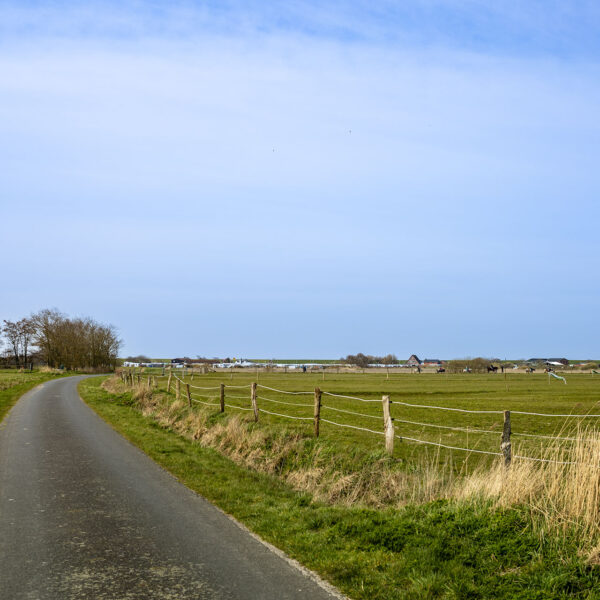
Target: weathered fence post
(317,410)
(169,383)
(149,383)
(388,425)
(222,397)
(189,394)
(163,369)
(139,379)
(253,399)
(177,388)
(505,446)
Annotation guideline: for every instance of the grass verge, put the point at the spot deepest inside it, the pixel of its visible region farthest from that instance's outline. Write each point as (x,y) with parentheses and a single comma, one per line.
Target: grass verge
(440,549)
(14,385)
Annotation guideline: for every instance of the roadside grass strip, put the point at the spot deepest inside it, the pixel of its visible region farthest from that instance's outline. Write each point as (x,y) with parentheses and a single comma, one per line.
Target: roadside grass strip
(442,549)
(14,385)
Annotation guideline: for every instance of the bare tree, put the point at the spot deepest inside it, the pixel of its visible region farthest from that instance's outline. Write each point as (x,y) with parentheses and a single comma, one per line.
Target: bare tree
(75,343)
(11,332)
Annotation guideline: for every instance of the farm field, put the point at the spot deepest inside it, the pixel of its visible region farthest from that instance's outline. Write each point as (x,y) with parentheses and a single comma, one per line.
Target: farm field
(351,404)
(13,384)
(374,527)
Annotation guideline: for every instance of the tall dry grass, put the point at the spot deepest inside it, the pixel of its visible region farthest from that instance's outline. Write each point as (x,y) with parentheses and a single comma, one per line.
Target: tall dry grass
(564,489)
(563,492)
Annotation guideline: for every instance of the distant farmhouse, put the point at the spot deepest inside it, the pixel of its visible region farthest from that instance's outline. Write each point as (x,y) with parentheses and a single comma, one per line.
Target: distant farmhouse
(432,362)
(413,361)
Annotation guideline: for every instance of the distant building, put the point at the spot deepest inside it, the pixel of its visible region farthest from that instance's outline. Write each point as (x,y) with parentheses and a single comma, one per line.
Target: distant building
(562,361)
(433,362)
(413,361)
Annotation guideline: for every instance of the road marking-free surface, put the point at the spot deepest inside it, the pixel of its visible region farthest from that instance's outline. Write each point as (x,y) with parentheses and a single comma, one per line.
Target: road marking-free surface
(84,514)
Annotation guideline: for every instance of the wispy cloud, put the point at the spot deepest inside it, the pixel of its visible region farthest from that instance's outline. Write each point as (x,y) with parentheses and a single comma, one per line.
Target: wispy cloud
(512,27)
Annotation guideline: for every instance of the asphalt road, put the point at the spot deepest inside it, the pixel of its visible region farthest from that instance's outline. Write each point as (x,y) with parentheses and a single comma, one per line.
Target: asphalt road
(84,514)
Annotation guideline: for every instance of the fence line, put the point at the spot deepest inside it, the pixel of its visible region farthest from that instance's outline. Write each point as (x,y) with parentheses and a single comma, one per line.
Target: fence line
(350,412)
(285,416)
(465,429)
(282,391)
(205,403)
(202,395)
(349,397)
(238,407)
(197,387)
(403,437)
(388,429)
(282,402)
(520,412)
(477,412)
(549,460)
(353,427)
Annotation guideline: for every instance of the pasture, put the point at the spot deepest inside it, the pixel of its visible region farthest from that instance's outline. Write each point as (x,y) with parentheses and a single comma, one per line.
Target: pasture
(14,383)
(352,417)
(378,528)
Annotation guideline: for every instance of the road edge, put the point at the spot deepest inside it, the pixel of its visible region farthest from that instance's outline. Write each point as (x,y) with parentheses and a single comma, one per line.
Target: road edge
(312,575)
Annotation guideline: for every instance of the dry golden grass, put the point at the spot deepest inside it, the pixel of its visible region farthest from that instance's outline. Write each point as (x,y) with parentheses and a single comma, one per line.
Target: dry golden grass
(46,369)
(564,491)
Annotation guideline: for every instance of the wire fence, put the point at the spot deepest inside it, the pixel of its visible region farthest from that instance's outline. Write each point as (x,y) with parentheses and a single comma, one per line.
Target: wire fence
(323,403)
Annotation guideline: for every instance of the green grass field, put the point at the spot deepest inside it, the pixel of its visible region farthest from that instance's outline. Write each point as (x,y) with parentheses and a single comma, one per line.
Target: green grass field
(13,384)
(493,392)
(444,549)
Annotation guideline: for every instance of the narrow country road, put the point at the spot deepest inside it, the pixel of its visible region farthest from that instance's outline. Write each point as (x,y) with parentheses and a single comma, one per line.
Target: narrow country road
(84,514)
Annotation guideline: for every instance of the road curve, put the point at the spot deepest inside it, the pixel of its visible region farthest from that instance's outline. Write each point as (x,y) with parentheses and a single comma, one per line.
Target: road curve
(84,514)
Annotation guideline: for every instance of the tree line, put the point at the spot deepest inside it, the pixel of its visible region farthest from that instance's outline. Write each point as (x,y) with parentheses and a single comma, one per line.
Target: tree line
(52,338)
(364,360)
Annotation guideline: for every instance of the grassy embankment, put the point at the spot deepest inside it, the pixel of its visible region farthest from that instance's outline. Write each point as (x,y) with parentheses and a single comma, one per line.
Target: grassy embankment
(463,545)
(14,384)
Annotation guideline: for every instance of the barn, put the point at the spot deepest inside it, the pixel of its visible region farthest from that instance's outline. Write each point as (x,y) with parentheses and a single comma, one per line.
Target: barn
(413,361)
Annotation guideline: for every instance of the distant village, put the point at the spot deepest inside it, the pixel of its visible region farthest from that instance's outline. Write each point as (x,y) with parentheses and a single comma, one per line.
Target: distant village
(413,362)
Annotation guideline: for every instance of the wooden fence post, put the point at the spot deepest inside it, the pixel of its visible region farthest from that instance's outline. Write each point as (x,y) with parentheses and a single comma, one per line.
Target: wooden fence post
(163,370)
(505,446)
(169,383)
(388,425)
(149,383)
(177,389)
(253,399)
(222,397)
(189,394)
(317,410)
(139,379)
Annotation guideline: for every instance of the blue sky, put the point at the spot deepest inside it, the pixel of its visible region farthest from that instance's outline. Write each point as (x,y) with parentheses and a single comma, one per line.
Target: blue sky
(305,179)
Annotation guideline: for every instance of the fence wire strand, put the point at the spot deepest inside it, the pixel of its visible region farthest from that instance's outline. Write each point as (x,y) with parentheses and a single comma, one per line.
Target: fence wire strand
(353,427)
(351,412)
(285,416)
(348,397)
(264,387)
(282,402)
(464,410)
